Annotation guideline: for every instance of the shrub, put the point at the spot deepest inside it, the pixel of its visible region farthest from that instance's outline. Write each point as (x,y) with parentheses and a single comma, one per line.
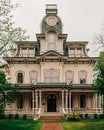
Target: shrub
(73,117)
(25,117)
(101,116)
(1,109)
(16,116)
(81,116)
(95,116)
(10,116)
(2,116)
(86,115)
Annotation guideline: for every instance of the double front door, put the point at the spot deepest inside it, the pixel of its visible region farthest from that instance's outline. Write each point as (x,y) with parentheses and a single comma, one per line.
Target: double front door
(51,103)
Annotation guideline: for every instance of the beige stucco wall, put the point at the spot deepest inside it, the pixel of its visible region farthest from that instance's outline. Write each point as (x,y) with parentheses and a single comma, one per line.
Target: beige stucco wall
(26,68)
(78,67)
(62,68)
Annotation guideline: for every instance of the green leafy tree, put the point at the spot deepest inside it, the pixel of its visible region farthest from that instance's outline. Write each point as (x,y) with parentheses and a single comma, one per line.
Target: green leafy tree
(9,33)
(8,91)
(99,76)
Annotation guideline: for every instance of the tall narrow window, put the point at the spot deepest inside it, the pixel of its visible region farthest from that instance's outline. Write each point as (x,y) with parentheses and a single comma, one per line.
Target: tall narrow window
(51,40)
(82,77)
(82,101)
(78,52)
(48,76)
(31,52)
(72,52)
(69,76)
(20,77)
(51,75)
(33,76)
(24,52)
(20,102)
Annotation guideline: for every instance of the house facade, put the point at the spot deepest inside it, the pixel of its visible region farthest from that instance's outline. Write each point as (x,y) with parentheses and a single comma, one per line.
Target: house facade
(53,74)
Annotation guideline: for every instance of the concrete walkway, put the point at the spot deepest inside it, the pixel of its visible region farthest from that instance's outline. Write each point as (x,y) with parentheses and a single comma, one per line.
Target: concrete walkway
(52,126)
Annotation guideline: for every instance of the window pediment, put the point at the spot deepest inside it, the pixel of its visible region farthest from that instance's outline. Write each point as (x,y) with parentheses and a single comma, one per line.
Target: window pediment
(51,53)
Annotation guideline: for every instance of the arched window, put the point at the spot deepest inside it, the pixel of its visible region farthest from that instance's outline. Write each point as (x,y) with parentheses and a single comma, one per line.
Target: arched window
(51,75)
(82,77)
(33,76)
(82,101)
(20,77)
(51,40)
(69,76)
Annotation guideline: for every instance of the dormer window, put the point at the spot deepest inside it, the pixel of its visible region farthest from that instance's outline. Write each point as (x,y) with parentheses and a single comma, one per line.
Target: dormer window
(27,52)
(24,52)
(31,52)
(72,52)
(75,52)
(78,52)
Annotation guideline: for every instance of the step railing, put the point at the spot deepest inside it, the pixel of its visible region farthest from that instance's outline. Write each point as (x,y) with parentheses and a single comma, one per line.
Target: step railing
(36,115)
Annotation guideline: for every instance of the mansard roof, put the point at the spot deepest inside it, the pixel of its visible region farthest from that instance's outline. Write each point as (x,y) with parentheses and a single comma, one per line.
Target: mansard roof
(19,43)
(82,43)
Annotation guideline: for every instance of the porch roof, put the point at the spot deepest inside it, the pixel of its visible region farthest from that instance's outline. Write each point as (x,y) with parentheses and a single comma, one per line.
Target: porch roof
(57,85)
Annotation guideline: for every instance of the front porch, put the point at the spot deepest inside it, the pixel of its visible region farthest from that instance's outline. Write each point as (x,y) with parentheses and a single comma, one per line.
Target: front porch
(57,97)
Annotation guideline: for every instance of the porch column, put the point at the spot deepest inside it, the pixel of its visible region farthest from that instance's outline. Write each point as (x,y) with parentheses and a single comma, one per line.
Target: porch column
(62,98)
(99,101)
(40,98)
(95,100)
(33,101)
(36,96)
(5,104)
(66,104)
(70,100)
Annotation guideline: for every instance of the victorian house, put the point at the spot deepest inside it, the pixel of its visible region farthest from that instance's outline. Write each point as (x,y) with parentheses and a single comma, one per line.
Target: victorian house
(54,75)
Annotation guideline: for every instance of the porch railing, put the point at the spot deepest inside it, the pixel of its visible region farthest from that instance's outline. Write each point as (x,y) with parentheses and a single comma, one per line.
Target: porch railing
(82,110)
(21,111)
(35,113)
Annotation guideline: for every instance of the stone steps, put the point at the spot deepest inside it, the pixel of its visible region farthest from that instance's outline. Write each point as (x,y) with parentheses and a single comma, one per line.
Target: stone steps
(53,117)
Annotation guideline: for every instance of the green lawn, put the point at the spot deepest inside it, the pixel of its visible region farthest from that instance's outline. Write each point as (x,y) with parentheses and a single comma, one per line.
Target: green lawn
(83,125)
(36,125)
(20,125)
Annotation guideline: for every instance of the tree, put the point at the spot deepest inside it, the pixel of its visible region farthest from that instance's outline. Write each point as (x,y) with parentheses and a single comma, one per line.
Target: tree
(99,76)
(9,33)
(8,91)
(99,40)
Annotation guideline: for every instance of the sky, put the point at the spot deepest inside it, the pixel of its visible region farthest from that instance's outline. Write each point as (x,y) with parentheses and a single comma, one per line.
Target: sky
(82,19)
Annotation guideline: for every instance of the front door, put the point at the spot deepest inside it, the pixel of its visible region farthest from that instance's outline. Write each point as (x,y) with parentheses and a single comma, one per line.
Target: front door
(51,103)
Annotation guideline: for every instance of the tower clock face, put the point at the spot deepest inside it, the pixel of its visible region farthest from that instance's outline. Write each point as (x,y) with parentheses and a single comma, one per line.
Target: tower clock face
(51,21)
